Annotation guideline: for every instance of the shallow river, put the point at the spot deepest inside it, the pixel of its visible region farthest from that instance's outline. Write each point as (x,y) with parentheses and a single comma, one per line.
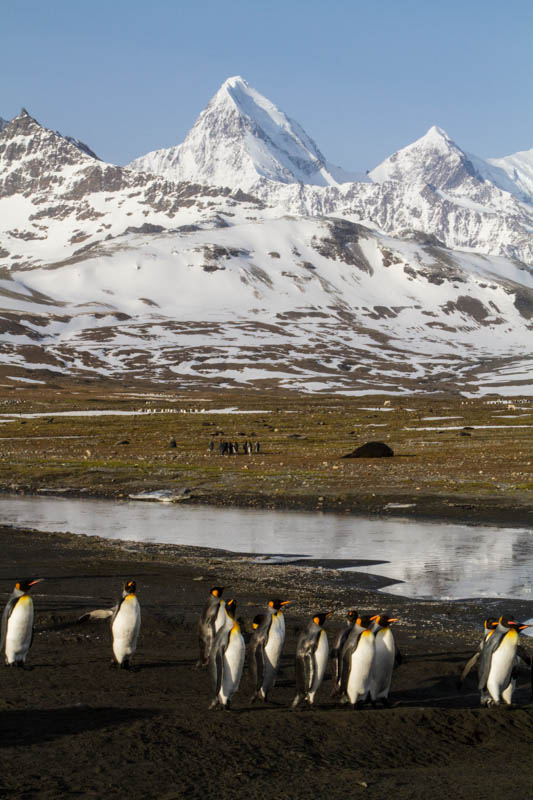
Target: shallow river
(429,560)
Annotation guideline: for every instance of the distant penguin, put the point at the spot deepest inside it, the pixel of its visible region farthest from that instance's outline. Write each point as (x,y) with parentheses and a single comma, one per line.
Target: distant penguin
(17,623)
(385,657)
(210,622)
(211,446)
(357,662)
(227,659)
(125,625)
(312,652)
(336,652)
(265,649)
(497,662)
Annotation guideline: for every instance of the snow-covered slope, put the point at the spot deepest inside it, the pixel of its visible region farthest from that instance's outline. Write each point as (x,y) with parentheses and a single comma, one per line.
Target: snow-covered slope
(106,270)
(519,171)
(239,138)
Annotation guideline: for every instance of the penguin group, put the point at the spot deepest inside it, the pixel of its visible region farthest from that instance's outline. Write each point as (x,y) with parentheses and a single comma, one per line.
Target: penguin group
(362,658)
(234,448)
(17,624)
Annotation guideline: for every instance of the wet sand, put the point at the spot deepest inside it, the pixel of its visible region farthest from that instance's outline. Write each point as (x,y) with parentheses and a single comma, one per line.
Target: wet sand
(73,726)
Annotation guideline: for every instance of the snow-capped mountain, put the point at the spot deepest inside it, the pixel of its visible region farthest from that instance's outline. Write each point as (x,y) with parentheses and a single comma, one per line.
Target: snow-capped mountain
(242,137)
(56,197)
(241,140)
(107,270)
(3,124)
(434,159)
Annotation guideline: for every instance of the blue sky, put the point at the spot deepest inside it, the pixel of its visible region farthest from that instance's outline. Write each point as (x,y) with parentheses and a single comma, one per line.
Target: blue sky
(362,78)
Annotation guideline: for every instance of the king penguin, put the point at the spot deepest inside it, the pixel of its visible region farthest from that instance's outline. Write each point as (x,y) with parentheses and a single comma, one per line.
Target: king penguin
(265,649)
(312,652)
(497,663)
(385,657)
(17,623)
(336,652)
(210,622)
(357,662)
(488,627)
(227,659)
(125,625)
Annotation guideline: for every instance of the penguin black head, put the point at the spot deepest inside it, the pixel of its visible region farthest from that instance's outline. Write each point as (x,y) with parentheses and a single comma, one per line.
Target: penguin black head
(26,584)
(383,619)
(258,620)
(231,608)
(352,615)
(216,591)
(519,626)
(277,604)
(319,619)
(490,623)
(130,587)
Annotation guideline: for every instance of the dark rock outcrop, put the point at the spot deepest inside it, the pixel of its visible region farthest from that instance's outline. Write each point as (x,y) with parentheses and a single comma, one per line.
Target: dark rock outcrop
(371,450)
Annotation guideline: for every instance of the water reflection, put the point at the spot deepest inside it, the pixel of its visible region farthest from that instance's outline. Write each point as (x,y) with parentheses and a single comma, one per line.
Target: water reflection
(433,560)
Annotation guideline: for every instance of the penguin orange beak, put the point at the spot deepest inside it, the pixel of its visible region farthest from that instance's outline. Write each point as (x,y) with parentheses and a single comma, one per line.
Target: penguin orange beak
(285,602)
(394,619)
(37,580)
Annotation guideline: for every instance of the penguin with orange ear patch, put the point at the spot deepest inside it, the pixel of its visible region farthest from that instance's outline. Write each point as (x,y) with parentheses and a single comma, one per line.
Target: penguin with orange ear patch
(385,657)
(125,625)
(312,652)
(227,659)
(17,624)
(212,619)
(265,648)
(496,671)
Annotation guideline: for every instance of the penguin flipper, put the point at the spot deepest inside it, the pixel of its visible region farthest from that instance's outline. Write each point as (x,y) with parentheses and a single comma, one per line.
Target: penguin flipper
(115,610)
(259,664)
(398,658)
(467,668)
(219,666)
(345,669)
(335,665)
(303,673)
(10,605)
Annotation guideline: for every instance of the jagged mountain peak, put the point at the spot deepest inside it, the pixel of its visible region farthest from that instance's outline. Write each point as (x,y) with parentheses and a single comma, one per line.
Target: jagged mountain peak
(241,138)
(24,125)
(433,159)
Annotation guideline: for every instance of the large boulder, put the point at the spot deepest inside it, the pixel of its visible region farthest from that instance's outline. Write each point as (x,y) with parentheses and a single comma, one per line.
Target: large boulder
(371,450)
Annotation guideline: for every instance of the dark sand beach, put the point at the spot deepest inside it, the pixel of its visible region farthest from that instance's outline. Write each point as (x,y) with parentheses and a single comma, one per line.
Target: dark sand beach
(75,727)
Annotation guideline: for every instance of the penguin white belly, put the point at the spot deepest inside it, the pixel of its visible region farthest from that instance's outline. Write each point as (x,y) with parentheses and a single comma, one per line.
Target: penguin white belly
(126,627)
(501,667)
(273,650)
(19,630)
(360,668)
(381,673)
(321,660)
(233,662)
(221,616)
